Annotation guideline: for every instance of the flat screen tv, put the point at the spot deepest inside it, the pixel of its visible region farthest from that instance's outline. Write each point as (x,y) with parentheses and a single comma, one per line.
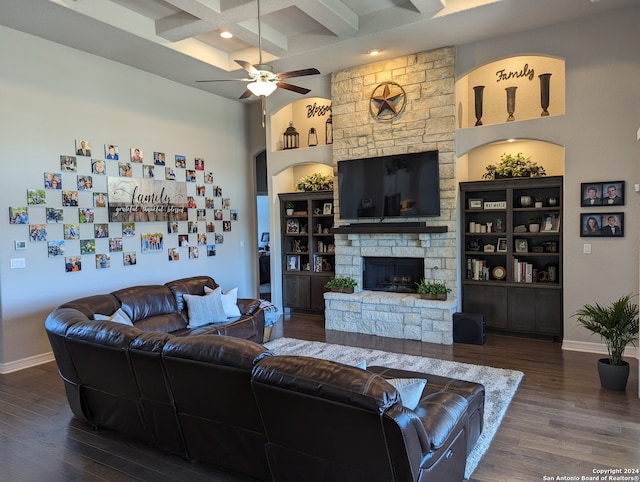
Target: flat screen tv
(395,186)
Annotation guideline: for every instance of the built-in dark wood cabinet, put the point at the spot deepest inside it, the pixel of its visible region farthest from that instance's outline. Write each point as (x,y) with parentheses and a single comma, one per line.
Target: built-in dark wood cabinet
(511,268)
(308,249)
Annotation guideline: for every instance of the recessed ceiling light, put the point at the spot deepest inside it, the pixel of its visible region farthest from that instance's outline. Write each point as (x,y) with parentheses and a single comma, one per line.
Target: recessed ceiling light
(374,52)
(226,34)
(511,140)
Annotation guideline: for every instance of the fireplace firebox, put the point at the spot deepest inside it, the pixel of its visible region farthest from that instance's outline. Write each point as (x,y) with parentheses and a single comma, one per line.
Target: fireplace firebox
(398,275)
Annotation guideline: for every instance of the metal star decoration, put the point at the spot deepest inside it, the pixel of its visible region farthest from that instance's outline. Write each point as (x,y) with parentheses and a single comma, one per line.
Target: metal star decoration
(387,101)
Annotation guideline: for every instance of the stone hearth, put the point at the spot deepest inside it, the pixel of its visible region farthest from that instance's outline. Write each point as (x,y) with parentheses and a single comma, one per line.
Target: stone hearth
(394,315)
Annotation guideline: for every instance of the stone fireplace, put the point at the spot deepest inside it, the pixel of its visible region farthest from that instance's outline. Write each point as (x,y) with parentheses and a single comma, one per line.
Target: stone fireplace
(427,123)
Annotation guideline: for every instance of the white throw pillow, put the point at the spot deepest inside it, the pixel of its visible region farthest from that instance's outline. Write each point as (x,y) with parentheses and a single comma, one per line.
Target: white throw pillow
(205,309)
(118,317)
(410,390)
(229,301)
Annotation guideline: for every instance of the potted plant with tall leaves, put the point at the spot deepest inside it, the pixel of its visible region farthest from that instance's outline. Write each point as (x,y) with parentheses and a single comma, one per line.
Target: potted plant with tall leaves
(617,324)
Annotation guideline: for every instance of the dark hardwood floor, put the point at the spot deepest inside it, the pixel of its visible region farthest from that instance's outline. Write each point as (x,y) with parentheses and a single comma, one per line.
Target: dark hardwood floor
(560,422)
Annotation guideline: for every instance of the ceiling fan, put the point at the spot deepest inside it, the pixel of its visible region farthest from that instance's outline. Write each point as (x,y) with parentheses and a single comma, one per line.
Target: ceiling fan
(263,80)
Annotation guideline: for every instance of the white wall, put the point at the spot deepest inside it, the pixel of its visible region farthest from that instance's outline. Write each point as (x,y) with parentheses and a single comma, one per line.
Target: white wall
(50,96)
(598,132)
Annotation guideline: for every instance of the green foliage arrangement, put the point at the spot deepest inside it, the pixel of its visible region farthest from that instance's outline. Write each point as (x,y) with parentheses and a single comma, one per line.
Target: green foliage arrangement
(315,182)
(514,166)
(288,205)
(341,282)
(616,323)
(432,287)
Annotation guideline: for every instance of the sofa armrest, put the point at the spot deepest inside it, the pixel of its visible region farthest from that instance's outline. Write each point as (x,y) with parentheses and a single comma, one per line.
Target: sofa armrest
(248,306)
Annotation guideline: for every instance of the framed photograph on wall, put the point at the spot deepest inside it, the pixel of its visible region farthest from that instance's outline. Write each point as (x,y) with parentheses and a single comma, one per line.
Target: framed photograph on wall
(608,193)
(612,225)
(607,225)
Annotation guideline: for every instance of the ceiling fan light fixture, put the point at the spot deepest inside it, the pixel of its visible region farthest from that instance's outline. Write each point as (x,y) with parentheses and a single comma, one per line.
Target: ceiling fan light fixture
(262,88)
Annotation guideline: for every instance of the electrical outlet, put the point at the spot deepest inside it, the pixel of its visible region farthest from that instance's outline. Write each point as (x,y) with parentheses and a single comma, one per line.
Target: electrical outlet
(586,248)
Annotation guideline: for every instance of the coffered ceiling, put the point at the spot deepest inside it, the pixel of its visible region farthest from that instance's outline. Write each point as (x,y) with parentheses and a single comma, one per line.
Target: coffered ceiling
(180,39)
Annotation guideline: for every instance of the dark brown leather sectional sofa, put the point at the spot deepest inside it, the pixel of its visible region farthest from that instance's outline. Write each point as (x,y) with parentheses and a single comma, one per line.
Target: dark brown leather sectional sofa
(230,402)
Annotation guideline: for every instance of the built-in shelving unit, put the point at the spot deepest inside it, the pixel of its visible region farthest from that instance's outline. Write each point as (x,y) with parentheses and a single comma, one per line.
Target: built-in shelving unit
(511,270)
(308,249)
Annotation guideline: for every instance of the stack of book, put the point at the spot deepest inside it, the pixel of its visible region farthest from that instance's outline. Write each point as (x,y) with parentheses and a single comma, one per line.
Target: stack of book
(477,269)
(522,271)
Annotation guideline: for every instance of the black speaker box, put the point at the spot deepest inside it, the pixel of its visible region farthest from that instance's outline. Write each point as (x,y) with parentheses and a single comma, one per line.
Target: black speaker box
(468,328)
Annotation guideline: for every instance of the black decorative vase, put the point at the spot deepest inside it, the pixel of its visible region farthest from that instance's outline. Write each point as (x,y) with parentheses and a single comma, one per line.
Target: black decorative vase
(478,90)
(511,102)
(613,377)
(544,93)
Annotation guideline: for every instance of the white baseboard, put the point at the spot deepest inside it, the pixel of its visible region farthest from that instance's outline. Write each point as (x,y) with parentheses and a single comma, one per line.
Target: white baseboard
(29,362)
(599,348)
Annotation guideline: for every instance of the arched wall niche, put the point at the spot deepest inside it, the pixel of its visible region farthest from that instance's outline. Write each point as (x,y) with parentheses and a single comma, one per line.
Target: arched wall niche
(520,71)
(471,165)
(306,113)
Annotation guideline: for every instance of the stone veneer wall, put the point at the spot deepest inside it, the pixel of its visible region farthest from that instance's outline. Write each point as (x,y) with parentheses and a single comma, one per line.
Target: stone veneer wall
(427,123)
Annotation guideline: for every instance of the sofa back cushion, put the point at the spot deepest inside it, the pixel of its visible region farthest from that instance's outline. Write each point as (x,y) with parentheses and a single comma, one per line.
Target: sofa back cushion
(151,308)
(193,285)
(210,378)
(90,305)
(316,394)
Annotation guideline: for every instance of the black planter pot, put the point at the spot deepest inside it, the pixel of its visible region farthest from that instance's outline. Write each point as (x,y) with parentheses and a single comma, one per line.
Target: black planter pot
(613,377)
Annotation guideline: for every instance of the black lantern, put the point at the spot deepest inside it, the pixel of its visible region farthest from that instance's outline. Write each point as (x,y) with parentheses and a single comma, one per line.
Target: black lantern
(291,137)
(328,129)
(312,140)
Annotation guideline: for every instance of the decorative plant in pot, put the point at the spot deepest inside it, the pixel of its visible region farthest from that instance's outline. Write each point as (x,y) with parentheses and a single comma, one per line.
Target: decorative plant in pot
(432,289)
(617,324)
(341,284)
(534,225)
(315,182)
(289,207)
(514,166)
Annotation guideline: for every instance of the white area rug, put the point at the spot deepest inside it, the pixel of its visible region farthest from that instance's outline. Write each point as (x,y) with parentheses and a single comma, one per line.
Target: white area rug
(500,384)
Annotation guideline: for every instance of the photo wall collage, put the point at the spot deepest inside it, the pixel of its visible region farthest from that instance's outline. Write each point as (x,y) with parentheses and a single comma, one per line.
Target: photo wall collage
(68,212)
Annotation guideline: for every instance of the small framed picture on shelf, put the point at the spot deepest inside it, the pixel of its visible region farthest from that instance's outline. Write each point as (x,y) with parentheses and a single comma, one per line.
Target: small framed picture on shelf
(551,222)
(293,262)
(475,203)
(522,245)
(293,226)
(328,207)
(501,247)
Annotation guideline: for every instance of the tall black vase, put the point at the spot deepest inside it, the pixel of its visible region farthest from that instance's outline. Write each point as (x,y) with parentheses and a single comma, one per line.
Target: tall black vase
(478,90)
(544,93)
(511,102)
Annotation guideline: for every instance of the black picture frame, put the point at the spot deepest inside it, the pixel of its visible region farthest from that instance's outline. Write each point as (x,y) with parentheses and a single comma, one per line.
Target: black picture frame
(602,193)
(605,225)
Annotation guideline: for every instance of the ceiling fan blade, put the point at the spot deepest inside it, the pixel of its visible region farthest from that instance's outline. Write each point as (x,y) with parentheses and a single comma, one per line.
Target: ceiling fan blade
(294,88)
(247,66)
(246,94)
(298,73)
(225,80)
